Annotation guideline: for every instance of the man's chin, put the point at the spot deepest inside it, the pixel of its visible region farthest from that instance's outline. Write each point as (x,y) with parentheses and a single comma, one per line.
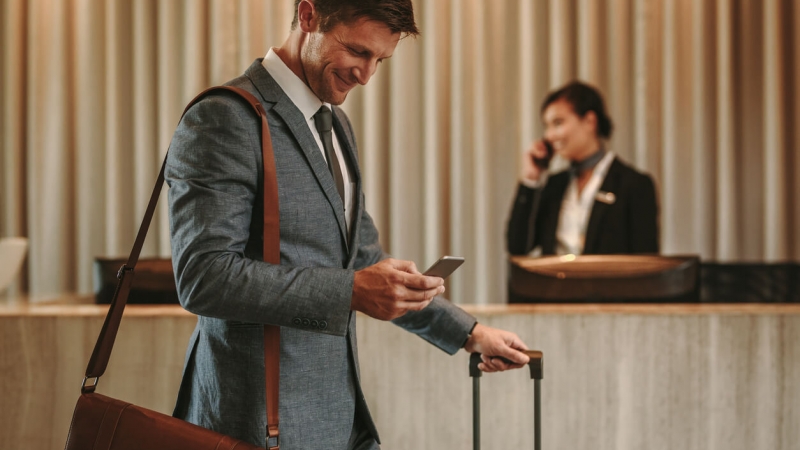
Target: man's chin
(337,98)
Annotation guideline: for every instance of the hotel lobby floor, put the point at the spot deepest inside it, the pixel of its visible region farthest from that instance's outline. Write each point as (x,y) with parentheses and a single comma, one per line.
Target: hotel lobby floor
(689,376)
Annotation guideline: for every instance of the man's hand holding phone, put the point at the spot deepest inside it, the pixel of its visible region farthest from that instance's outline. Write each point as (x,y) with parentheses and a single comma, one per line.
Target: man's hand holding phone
(393,287)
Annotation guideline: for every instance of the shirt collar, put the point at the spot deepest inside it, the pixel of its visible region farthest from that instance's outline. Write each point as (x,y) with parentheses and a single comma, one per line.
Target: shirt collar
(602,167)
(298,92)
(578,167)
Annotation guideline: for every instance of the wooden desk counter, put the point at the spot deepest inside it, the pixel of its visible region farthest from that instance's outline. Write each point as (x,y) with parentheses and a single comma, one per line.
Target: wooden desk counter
(689,376)
(83,306)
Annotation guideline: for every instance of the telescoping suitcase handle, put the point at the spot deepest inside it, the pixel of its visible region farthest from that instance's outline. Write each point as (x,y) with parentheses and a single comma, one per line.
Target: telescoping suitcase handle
(536,365)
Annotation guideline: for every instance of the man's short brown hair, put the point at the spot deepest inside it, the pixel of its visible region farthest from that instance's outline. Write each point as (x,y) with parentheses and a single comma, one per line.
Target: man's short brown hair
(398,15)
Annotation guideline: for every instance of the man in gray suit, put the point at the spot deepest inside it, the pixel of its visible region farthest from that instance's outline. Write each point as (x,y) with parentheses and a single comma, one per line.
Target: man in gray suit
(331,262)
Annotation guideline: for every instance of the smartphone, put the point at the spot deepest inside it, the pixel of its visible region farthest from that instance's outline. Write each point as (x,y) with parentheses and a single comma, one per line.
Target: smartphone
(444,266)
(544,163)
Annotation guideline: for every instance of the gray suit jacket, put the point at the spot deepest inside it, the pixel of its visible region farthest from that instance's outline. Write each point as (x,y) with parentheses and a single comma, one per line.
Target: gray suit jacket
(214,171)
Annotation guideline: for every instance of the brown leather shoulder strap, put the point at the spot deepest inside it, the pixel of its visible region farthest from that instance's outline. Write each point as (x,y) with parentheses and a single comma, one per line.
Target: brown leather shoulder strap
(105,341)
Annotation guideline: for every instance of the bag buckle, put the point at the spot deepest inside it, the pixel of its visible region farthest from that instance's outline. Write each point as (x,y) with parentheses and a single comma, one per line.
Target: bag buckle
(87,388)
(122,270)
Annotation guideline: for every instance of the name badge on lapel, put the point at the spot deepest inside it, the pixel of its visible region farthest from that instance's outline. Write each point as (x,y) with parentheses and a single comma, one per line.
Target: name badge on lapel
(606,197)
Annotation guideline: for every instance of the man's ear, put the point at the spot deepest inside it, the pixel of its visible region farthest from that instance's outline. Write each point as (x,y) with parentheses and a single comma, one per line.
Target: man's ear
(307,16)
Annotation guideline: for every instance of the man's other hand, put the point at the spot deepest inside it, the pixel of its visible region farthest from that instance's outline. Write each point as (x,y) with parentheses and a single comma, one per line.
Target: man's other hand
(391,288)
(492,344)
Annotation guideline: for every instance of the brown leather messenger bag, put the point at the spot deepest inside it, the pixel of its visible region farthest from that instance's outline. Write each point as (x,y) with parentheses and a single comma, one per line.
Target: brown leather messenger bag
(103,423)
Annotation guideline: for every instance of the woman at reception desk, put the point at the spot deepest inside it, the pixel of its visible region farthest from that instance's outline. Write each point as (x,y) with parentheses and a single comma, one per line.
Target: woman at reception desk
(600,205)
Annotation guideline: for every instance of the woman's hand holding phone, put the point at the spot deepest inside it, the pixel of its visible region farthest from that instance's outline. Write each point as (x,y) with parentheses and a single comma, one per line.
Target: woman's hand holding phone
(536,159)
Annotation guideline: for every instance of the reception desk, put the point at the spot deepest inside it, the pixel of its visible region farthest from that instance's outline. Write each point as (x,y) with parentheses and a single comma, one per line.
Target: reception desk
(688,376)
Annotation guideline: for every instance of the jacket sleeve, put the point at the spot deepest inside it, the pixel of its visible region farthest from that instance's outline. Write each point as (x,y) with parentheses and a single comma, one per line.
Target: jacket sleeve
(520,235)
(213,173)
(643,217)
(442,323)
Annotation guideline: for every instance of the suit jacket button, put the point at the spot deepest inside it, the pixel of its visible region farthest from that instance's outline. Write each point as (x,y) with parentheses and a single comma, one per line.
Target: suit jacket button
(323,324)
(296,321)
(306,322)
(314,324)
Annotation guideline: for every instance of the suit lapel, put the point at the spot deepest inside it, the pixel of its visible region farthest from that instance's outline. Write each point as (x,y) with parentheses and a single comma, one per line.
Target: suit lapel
(550,211)
(296,123)
(599,209)
(347,143)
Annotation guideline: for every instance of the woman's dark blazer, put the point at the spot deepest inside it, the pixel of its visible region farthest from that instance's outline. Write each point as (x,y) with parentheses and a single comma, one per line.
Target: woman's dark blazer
(628,225)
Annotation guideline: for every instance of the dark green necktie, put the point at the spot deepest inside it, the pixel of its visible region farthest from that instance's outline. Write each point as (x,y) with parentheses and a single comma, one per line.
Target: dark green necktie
(323,119)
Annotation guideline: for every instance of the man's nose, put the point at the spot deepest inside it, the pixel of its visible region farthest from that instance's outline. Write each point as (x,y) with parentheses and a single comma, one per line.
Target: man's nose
(365,71)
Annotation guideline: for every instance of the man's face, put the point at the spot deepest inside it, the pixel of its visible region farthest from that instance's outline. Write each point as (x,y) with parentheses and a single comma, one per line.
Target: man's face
(347,55)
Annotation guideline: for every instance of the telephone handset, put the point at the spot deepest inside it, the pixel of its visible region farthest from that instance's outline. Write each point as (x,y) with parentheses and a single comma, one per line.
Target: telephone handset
(544,163)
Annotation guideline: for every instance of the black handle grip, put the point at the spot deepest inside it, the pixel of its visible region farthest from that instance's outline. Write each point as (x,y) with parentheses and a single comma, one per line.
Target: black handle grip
(536,364)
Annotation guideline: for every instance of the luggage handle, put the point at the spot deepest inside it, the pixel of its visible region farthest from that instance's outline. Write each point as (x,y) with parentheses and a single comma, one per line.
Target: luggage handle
(536,365)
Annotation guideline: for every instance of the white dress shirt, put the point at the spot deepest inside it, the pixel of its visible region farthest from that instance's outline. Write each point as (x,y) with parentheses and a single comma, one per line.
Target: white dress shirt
(307,102)
(576,209)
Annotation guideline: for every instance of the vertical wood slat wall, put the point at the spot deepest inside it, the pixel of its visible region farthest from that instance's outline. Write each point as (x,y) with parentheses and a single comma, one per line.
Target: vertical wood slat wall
(702,95)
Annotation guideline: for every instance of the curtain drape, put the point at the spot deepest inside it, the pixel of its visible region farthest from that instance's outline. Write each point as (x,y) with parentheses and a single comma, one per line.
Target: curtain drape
(702,95)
